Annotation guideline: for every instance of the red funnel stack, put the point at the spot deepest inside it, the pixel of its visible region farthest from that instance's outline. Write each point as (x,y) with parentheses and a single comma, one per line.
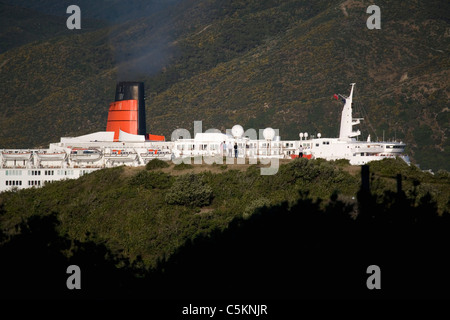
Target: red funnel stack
(127,113)
(123,115)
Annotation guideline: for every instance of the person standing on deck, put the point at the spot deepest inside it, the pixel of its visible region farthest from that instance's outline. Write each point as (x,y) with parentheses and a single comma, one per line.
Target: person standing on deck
(300,152)
(224,148)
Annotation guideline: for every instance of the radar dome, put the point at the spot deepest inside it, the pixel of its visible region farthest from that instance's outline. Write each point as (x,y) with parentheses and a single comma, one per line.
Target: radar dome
(268,133)
(237,131)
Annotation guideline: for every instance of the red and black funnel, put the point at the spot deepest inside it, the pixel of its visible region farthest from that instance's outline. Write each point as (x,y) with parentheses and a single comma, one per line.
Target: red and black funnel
(127,112)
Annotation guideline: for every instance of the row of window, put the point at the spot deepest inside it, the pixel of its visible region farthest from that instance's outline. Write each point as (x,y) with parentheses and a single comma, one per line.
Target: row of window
(323,142)
(65,172)
(13,172)
(19,183)
(46,172)
(52,172)
(38,183)
(363,154)
(289,145)
(240,145)
(13,183)
(38,172)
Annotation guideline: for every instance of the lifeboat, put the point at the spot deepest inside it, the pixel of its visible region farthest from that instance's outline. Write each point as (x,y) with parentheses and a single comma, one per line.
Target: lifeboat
(150,154)
(16,155)
(121,156)
(57,156)
(85,155)
(154,153)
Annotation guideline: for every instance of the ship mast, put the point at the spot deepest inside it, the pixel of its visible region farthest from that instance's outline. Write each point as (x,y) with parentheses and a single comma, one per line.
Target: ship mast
(346,132)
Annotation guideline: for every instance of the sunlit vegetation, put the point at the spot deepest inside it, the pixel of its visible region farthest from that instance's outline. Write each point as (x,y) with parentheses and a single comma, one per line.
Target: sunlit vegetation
(149,214)
(257,63)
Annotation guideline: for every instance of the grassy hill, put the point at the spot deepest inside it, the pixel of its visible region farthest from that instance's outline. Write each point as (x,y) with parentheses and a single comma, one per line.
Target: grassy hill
(150,214)
(131,227)
(256,63)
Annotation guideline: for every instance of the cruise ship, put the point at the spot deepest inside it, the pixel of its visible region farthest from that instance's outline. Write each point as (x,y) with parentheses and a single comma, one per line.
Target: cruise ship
(126,142)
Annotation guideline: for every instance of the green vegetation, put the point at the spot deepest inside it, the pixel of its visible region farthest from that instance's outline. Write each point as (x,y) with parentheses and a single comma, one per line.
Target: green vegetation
(254,206)
(149,214)
(156,164)
(182,166)
(257,63)
(189,190)
(131,229)
(151,180)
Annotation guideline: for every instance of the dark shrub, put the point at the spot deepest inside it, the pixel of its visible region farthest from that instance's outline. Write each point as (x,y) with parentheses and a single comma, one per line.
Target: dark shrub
(156,164)
(152,180)
(182,166)
(189,190)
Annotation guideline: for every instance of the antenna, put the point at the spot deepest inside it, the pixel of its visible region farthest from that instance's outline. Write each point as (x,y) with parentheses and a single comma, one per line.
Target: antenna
(351,91)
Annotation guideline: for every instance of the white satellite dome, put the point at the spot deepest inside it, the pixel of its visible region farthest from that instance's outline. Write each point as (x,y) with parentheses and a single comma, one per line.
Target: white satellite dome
(319,135)
(237,131)
(268,133)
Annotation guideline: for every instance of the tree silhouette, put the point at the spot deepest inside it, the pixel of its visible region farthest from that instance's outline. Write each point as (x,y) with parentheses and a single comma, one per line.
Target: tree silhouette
(34,264)
(308,250)
(304,251)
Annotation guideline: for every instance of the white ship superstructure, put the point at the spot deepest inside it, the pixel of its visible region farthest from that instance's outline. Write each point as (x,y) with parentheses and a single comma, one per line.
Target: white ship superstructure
(73,157)
(347,146)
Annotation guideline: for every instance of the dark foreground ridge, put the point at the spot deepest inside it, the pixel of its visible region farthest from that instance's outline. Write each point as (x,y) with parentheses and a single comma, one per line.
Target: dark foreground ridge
(301,251)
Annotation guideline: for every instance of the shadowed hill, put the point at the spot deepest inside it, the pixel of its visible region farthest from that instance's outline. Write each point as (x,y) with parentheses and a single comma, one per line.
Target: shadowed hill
(19,26)
(306,232)
(257,63)
(34,265)
(287,251)
(150,213)
(306,253)
(106,10)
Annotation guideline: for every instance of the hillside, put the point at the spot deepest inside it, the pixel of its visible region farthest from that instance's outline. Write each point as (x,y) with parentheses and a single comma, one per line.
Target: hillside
(128,209)
(132,229)
(256,63)
(19,26)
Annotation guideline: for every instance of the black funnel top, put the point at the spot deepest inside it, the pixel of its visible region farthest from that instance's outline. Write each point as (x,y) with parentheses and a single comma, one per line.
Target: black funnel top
(128,90)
